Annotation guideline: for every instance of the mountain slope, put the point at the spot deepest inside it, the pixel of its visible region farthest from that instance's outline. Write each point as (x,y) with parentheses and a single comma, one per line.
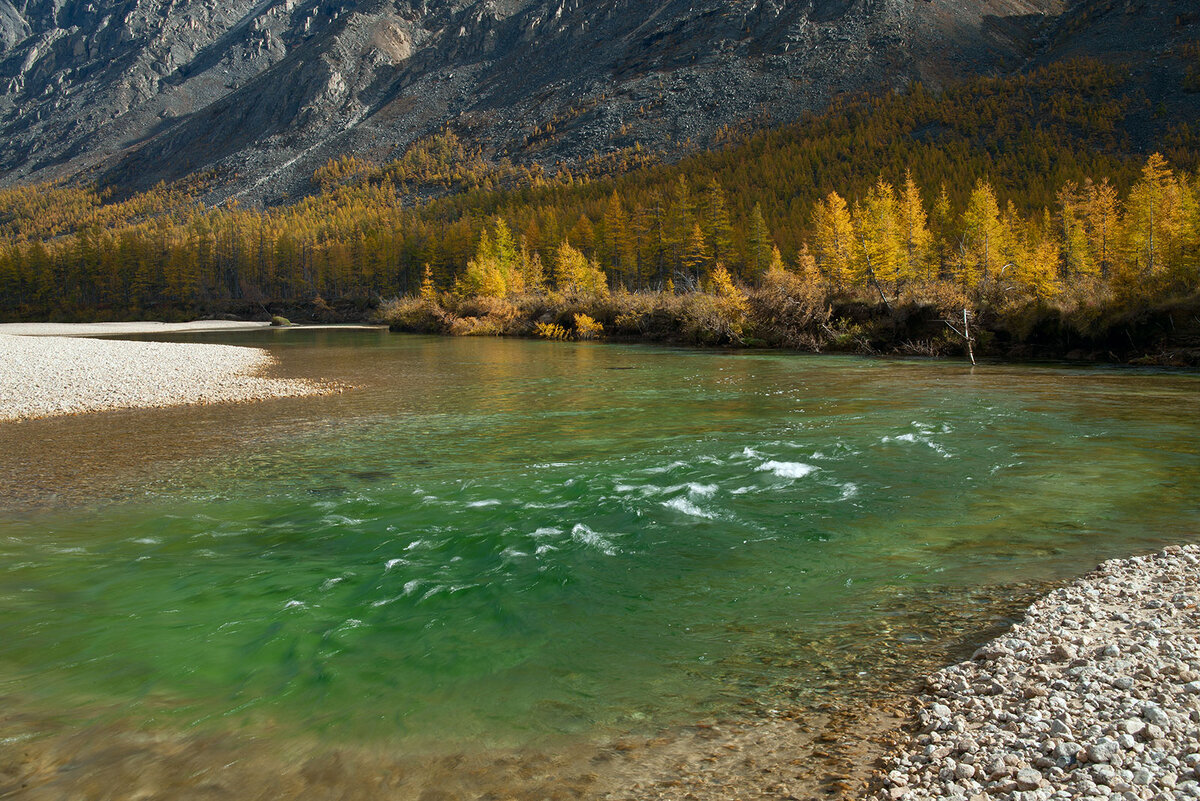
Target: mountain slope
(261,93)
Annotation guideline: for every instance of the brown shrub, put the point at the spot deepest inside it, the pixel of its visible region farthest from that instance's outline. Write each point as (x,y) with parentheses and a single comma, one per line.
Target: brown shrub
(416,315)
(789,311)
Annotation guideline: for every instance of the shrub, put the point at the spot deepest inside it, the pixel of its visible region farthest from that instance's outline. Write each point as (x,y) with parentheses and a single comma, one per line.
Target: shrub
(417,315)
(789,310)
(551,331)
(587,328)
(718,317)
(476,327)
(280,322)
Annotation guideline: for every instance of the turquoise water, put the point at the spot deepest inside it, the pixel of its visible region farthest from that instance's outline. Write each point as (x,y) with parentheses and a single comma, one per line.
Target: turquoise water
(504,542)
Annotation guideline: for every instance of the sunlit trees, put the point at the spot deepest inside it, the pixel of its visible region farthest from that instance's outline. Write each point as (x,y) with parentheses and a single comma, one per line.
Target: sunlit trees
(1066,215)
(1100,218)
(1154,228)
(983,237)
(576,275)
(618,255)
(833,239)
(914,232)
(879,236)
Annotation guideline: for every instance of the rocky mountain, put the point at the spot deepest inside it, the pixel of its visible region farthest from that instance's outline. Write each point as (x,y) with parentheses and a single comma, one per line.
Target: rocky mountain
(258,93)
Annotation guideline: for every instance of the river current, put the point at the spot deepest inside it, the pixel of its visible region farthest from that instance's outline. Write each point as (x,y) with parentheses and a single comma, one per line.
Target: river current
(493,543)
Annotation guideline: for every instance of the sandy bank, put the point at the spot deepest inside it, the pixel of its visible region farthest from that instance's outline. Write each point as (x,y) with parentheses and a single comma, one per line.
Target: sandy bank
(1095,694)
(49,375)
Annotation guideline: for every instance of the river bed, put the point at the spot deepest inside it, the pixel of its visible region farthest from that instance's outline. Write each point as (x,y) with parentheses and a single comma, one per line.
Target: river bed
(492,548)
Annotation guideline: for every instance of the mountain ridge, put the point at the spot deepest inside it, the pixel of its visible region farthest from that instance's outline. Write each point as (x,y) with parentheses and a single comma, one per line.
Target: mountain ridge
(261,92)
(257,94)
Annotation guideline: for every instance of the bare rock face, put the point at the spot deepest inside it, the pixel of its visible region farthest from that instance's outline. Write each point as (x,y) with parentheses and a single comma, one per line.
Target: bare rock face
(258,93)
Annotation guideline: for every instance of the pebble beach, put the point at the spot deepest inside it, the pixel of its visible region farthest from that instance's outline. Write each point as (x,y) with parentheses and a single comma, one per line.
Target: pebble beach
(1095,694)
(48,375)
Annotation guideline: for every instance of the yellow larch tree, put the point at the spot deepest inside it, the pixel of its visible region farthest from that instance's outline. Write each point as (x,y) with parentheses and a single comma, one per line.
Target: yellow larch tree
(914,232)
(983,237)
(833,239)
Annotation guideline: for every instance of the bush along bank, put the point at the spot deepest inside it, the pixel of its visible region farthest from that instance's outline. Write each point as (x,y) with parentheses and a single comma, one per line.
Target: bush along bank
(787,310)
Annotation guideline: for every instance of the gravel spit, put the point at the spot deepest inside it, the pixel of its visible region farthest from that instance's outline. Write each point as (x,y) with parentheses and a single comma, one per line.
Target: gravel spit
(1095,694)
(124,329)
(46,376)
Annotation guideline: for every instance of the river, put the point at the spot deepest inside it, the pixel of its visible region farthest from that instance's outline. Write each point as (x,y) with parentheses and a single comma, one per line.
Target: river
(496,544)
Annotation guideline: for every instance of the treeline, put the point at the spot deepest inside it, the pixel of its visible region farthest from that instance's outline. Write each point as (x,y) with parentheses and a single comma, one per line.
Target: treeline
(1010,189)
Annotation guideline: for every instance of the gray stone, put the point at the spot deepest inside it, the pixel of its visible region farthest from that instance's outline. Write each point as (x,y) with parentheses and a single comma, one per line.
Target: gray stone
(1029,779)
(1102,750)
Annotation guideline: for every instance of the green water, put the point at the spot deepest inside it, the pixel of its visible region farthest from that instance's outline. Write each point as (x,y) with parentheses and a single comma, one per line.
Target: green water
(500,542)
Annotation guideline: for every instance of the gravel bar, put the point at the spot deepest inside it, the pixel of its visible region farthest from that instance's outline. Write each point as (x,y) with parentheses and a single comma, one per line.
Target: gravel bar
(46,376)
(126,329)
(1095,694)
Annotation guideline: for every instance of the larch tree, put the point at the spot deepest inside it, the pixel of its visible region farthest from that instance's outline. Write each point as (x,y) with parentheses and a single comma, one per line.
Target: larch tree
(983,236)
(914,231)
(1101,216)
(1153,225)
(578,276)
(833,239)
(618,250)
(1076,253)
(696,256)
(678,225)
(718,229)
(878,235)
(758,245)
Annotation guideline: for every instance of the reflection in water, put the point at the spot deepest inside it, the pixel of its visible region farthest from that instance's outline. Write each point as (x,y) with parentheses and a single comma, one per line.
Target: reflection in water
(498,545)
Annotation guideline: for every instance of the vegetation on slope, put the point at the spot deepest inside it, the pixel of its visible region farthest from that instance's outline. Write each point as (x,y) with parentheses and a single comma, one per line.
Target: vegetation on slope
(1017,198)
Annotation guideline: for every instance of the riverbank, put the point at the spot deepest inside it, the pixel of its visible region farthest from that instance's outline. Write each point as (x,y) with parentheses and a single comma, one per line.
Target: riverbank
(47,376)
(1095,693)
(787,313)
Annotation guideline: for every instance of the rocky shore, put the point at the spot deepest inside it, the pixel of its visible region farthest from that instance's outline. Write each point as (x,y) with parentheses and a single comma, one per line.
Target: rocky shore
(1095,694)
(47,376)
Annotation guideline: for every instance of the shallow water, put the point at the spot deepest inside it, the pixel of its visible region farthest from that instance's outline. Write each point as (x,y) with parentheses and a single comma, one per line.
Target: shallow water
(496,543)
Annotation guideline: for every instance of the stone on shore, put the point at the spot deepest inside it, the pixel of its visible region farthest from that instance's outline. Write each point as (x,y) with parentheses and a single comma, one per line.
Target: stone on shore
(1093,695)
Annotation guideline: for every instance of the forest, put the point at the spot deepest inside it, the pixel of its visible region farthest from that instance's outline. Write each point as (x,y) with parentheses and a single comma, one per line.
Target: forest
(1018,199)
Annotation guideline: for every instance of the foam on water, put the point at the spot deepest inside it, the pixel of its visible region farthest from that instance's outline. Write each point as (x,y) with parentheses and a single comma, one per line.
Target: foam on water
(682,504)
(483,504)
(788,469)
(920,438)
(665,468)
(592,539)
